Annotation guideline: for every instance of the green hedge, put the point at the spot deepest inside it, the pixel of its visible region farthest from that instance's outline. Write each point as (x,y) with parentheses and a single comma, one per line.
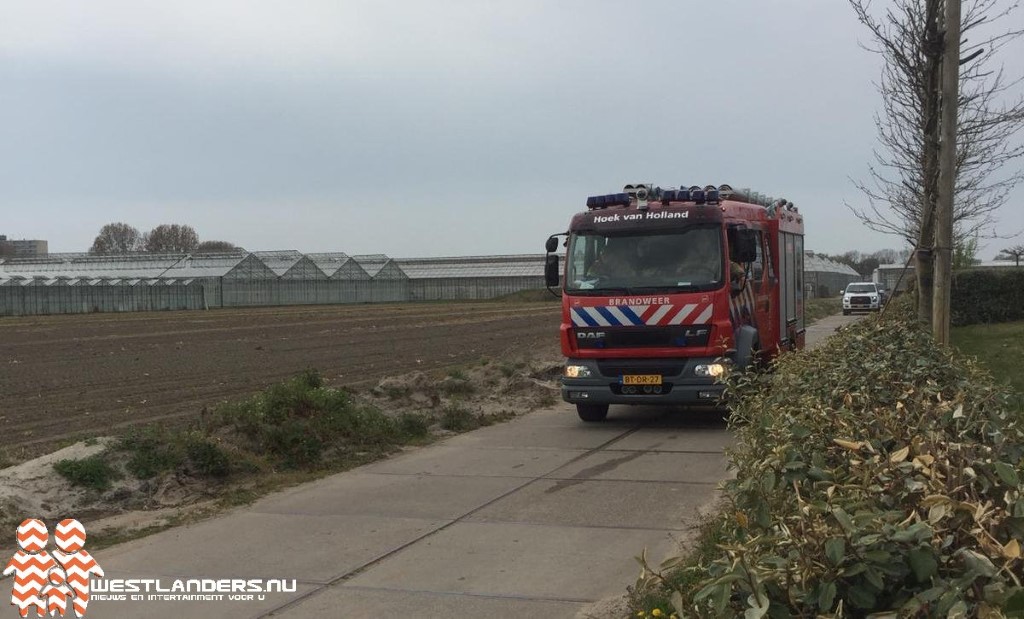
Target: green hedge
(877,473)
(987,296)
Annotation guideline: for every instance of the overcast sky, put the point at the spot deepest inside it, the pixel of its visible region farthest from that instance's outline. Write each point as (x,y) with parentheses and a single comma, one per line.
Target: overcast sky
(424,128)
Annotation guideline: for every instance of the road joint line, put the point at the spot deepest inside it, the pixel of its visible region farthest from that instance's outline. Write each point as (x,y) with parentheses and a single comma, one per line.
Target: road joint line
(497,596)
(359,570)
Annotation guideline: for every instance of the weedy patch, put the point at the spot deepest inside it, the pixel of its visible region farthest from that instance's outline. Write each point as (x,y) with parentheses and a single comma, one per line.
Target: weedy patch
(455,387)
(151,451)
(456,418)
(94,472)
(875,474)
(301,423)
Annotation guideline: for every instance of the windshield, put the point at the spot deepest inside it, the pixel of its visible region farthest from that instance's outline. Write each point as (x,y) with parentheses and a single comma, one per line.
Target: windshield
(860,288)
(686,260)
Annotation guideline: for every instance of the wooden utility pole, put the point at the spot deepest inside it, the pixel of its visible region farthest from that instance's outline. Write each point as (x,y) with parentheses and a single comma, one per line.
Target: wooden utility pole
(943,250)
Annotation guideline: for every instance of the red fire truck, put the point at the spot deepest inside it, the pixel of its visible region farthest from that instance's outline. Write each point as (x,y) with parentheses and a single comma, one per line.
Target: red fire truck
(664,288)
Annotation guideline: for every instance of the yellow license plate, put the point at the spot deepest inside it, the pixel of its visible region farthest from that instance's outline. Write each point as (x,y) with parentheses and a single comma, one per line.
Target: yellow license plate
(641,379)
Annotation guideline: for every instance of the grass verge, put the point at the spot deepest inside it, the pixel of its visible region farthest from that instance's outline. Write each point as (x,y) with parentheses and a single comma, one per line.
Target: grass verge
(999,347)
(816,309)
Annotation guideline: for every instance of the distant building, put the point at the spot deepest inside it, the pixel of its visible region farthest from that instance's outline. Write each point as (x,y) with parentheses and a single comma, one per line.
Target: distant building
(894,277)
(824,277)
(889,274)
(22,248)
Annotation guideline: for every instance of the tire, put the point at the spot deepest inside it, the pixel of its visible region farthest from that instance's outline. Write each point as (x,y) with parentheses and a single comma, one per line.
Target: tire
(592,412)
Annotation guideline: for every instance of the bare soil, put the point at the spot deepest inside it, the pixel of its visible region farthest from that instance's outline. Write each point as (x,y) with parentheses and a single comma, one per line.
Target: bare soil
(454,370)
(67,377)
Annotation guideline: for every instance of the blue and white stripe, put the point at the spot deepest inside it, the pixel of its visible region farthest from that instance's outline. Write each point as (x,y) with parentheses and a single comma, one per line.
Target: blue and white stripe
(608,316)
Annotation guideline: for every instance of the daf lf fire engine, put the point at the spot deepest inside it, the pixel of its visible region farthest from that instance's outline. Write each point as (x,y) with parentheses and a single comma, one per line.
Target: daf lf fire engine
(664,288)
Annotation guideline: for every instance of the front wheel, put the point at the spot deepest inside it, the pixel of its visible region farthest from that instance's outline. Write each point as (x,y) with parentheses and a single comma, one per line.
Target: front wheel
(592,412)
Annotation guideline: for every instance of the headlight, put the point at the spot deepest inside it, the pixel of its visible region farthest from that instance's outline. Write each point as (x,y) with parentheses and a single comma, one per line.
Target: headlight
(874,297)
(712,369)
(577,371)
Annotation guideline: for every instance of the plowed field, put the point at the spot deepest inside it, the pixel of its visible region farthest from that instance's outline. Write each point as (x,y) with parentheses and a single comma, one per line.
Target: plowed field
(63,376)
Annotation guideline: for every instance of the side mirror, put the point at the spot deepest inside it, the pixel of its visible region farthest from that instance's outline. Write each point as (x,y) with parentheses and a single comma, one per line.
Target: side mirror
(552,244)
(746,246)
(551,269)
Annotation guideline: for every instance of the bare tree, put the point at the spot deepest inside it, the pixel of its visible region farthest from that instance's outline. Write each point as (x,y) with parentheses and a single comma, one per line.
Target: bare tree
(217,246)
(887,256)
(902,183)
(1014,253)
(171,238)
(116,238)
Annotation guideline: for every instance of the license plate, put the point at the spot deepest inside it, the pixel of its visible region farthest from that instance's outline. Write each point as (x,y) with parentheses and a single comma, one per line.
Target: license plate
(641,379)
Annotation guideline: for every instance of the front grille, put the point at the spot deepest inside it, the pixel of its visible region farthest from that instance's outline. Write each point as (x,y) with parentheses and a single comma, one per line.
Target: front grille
(677,336)
(613,368)
(864,300)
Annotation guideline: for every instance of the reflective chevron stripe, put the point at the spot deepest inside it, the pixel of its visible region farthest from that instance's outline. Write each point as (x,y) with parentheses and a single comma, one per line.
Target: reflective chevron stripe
(640,315)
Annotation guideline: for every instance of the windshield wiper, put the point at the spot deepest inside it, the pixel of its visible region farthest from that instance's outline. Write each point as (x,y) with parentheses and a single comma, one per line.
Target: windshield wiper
(599,291)
(667,288)
(634,290)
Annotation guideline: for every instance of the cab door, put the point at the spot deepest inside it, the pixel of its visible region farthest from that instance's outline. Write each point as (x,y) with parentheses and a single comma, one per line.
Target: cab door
(762,282)
(752,304)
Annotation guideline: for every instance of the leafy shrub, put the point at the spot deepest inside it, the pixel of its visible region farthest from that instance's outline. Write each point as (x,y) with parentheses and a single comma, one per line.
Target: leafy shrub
(207,458)
(93,472)
(877,473)
(152,451)
(987,296)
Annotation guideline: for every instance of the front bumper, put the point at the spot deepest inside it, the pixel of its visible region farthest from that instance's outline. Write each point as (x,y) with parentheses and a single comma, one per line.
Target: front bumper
(679,383)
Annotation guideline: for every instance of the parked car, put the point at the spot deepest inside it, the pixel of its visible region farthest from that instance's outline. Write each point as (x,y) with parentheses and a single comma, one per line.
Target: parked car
(862,297)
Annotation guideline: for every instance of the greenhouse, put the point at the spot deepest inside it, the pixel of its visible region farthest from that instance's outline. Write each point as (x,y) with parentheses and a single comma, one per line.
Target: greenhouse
(824,277)
(472,277)
(80,283)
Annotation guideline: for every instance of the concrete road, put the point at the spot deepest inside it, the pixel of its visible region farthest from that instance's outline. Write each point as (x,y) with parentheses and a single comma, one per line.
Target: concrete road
(536,517)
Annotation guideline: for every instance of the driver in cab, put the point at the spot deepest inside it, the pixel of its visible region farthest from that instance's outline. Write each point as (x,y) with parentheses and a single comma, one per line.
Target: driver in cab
(698,265)
(615,262)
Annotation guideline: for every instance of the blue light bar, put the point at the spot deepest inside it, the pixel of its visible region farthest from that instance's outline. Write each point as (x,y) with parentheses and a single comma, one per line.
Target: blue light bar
(697,195)
(612,199)
(712,196)
(675,195)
